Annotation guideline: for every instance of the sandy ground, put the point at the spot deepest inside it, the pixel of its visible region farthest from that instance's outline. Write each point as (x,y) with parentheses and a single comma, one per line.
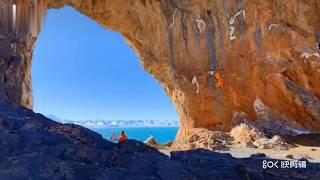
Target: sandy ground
(312,153)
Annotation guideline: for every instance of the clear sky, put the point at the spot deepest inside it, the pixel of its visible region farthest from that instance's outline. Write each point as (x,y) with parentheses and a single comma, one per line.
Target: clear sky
(82,71)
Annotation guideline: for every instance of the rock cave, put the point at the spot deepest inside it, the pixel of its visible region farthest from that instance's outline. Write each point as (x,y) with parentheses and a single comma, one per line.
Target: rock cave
(221,62)
(191,47)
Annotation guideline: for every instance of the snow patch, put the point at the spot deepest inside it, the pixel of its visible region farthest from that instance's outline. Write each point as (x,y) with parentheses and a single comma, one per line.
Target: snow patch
(195,82)
(211,72)
(232,19)
(231,23)
(307,55)
(273,25)
(299,132)
(201,25)
(232,35)
(173,18)
(259,106)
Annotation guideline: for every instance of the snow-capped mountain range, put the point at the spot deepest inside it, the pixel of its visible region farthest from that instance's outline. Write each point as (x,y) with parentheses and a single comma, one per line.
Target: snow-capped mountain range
(118,123)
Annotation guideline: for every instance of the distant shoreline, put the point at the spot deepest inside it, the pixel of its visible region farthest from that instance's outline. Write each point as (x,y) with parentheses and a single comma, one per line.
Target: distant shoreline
(135,127)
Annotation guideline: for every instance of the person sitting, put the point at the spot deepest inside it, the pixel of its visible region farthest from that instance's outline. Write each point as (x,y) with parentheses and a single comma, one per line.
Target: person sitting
(113,138)
(123,137)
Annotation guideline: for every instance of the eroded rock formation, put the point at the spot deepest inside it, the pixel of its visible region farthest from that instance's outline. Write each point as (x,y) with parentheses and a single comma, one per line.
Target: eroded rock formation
(219,60)
(20,23)
(35,147)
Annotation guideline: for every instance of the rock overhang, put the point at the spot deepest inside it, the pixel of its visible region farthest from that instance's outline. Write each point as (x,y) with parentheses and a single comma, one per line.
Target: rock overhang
(214,59)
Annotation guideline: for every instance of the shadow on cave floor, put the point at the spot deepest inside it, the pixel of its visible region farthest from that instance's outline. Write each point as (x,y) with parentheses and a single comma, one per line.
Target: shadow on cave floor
(33,146)
(305,139)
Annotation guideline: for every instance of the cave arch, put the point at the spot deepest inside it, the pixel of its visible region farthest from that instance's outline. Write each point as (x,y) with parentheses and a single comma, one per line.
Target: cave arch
(74,71)
(183,43)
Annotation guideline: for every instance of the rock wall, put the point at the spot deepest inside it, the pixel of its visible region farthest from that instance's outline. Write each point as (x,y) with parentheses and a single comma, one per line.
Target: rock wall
(20,23)
(220,61)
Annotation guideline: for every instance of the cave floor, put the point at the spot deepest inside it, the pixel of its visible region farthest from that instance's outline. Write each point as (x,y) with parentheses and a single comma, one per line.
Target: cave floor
(308,152)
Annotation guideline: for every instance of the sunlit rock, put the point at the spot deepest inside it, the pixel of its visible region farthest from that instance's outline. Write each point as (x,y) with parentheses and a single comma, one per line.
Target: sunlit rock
(266,55)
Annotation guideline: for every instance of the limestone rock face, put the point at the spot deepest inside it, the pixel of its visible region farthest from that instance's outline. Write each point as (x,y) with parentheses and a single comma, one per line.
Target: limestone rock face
(20,23)
(218,60)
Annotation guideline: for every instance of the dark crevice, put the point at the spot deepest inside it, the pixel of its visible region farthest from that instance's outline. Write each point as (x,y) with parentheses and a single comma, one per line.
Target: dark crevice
(296,28)
(210,43)
(5,78)
(318,40)
(286,74)
(310,101)
(184,24)
(291,76)
(171,49)
(168,9)
(197,46)
(143,2)
(6,71)
(258,37)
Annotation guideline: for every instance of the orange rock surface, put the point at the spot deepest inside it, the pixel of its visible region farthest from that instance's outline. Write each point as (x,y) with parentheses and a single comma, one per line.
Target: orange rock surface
(268,51)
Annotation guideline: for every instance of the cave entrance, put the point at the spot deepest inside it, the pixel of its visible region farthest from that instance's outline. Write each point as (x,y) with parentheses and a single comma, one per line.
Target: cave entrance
(85,74)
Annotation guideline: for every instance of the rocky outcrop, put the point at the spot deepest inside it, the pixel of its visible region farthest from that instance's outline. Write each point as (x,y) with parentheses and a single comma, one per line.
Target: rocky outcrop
(151,141)
(204,139)
(250,136)
(20,23)
(215,59)
(242,135)
(35,147)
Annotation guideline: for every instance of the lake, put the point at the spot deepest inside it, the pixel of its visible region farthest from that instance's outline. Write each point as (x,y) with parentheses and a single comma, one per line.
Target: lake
(162,134)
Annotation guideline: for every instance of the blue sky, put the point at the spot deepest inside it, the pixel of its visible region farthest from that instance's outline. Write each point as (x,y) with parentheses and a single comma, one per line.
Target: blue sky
(82,71)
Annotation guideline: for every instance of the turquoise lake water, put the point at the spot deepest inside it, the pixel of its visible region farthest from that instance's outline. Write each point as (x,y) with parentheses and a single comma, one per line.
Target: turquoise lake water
(162,134)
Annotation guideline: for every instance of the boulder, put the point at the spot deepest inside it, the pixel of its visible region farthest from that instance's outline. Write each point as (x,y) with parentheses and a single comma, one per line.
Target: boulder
(250,136)
(206,139)
(151,141)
